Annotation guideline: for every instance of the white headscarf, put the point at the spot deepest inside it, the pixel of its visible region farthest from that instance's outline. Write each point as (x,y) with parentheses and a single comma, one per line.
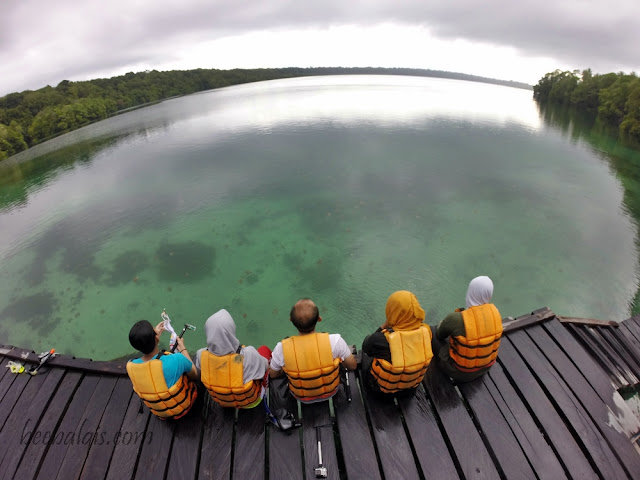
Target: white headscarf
(220,330)
(479,292)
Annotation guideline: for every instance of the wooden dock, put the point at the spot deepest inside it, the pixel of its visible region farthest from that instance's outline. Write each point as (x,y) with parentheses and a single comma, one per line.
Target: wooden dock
(550,408)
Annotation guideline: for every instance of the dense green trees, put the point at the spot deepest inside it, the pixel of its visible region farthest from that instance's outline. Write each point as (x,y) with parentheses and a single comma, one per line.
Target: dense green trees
(11,139)
(54,120)
(31,117)
(614,97)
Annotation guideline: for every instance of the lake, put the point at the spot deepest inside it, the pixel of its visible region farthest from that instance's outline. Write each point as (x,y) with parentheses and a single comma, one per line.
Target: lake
(343,189)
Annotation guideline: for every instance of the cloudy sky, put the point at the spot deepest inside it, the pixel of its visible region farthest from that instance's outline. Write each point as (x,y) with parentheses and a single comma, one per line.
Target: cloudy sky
(43,41)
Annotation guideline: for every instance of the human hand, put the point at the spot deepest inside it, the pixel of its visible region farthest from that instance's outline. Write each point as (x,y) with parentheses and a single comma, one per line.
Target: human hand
(180,344)
(159,328)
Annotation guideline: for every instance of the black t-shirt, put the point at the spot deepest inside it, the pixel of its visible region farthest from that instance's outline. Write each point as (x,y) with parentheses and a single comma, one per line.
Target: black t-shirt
(377,346)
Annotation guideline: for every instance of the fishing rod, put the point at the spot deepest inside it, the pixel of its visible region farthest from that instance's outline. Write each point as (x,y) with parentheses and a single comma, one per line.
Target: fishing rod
(43,359)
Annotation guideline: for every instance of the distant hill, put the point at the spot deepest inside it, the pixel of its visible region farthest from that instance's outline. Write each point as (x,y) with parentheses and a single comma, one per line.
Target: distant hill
(31,117)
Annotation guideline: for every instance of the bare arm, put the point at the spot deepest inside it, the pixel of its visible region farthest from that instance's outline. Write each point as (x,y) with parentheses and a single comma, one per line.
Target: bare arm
(193,373)
(275,373)
(350,362)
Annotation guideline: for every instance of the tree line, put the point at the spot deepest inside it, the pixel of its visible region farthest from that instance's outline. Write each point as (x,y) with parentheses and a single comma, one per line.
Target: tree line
(31,117)
(613,97)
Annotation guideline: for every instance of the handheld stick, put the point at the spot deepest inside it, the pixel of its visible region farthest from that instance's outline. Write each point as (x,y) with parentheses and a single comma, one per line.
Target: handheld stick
(184,329)
(346,375)
(320,471)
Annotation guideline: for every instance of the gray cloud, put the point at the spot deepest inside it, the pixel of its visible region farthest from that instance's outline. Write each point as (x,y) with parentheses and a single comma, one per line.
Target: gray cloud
(44,42)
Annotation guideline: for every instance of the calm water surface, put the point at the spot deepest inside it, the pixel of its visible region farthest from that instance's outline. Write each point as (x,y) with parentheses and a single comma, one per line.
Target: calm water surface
(343,189)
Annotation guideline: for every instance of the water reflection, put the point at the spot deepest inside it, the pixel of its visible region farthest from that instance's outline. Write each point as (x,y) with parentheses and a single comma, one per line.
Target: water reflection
(585,130)
(380,100)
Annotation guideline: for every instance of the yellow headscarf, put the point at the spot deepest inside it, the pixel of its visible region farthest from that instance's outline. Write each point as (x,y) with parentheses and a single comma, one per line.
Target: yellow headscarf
(403,311)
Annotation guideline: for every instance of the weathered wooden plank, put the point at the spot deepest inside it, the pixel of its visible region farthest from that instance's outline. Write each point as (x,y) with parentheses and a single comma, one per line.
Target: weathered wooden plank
(537,316)
(427,439)
(65,435)
(355,437)
(155,454)
(285,454)
(215,456)
(248,458)
(595,375)
(391,440)
(539,453)
(631,338)
(471,453)
(611,353)
(597,408)
(623,348)
(634,320)
(555,430)
(85,433)
(11,387)
(88,365)
(108,431)
(15,387)
(4,370)
(318,415)
(633,326)
(501,440)
(595,353)
(67,362)
(592,322)
(133,434)
(567,403)
(24,419)
(43,435)
(6,380)
(185,452)
(589,368)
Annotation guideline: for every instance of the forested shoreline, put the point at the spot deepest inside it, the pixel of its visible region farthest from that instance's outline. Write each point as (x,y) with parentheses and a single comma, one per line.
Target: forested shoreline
(31,117)
(614,98)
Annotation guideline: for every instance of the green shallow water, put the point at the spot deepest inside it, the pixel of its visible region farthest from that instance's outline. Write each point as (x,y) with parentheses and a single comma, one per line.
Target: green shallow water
(343,189)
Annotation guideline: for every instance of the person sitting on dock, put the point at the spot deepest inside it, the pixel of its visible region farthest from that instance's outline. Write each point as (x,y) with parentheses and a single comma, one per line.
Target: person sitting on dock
(396,356)
(311,360)
(165,382)
(474,334)
(234,374)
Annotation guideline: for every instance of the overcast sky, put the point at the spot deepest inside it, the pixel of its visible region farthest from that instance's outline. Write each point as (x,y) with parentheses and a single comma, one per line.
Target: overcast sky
(44,41)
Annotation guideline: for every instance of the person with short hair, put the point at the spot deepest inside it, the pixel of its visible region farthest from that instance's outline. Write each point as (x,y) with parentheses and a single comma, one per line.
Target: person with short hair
(234,374)
(165,382)
(473,334)
(311,360)
(396,356)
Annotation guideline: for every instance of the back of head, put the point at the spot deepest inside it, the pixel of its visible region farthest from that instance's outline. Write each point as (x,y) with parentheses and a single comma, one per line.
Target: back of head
(220,330)
(304,315)
(479,292)
(142,337)
(403,311)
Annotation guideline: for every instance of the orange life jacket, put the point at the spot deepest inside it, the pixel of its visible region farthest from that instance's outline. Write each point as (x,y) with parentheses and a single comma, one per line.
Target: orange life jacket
(223,377)
(478,348)
(165,402)
(312,371)
(410,356)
